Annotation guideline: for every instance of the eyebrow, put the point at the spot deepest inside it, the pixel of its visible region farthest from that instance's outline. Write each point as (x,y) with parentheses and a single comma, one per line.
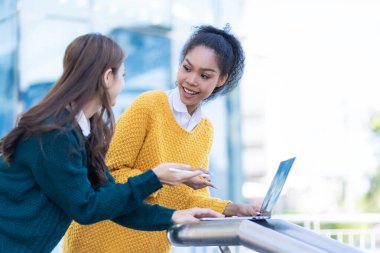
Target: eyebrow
(204,69)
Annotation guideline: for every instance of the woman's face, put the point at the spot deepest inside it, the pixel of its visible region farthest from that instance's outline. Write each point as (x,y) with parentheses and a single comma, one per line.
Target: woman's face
(198,76)
(117,83)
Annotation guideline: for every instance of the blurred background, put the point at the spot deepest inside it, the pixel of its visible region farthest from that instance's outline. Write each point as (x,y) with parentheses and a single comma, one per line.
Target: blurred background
(311,89)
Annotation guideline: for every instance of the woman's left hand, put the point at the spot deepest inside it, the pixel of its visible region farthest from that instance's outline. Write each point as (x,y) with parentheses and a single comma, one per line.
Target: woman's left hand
(236,209)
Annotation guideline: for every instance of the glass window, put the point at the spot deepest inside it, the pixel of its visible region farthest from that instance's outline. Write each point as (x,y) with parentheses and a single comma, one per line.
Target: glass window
(147,64)
(8,63)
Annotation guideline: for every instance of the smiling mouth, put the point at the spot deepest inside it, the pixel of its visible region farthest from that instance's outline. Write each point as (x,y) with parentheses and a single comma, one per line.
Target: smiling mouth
(190,92)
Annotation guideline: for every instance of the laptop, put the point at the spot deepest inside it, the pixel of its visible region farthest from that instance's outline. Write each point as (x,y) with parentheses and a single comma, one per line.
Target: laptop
(271,196)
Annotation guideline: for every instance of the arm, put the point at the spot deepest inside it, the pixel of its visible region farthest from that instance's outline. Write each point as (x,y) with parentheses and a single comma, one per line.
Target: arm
(202,198)
(147,217)
(60,173)
(128,138)
(154,217)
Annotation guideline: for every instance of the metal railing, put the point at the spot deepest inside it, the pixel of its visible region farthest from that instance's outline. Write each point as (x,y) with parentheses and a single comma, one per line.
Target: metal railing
(269,236)
(360,230)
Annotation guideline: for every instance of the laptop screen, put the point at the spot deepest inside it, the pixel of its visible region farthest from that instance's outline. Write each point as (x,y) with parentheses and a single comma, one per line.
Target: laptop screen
(276,186)
(271,196)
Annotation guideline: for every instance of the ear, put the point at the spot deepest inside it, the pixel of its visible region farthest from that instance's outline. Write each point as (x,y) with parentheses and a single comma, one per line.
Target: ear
(222,80)
(108,78)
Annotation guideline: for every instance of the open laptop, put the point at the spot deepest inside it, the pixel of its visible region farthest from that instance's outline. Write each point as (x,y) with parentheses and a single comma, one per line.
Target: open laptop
(271,196)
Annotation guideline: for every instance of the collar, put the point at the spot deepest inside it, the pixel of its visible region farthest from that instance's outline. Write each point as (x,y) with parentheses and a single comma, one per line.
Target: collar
(180,107)
(83,123)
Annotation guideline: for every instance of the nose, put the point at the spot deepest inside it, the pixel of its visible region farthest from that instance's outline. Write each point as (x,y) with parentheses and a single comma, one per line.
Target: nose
(191,79)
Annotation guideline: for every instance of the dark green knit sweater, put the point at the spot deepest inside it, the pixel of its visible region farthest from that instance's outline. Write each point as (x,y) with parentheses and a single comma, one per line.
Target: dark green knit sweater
(43,190)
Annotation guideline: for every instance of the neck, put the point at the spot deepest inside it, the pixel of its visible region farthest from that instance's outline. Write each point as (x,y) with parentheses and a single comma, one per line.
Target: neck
(91,108)
(191,109)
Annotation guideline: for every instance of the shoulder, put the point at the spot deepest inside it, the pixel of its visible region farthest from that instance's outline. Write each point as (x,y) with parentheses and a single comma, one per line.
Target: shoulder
(147,102)
(69,138)
(208,123)
(152,97)
(68,135)
(60,142)
(61,129)
(206,130)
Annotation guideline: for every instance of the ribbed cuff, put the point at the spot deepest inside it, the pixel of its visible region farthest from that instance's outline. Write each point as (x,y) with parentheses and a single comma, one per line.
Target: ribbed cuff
(220,205)
(166,217)
(145,184)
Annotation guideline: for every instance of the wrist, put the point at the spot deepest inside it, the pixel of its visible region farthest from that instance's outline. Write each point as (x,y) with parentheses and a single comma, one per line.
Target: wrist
(230,210)
(156,172)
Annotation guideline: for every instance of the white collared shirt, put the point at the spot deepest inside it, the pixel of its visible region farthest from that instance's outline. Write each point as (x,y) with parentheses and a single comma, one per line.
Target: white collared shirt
(83,123)
(179,109)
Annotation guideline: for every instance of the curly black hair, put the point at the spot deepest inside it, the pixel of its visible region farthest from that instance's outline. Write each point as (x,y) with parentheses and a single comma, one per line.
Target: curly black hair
(229,52)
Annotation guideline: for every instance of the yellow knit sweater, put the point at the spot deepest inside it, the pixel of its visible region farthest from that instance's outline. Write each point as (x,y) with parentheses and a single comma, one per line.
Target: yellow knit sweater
(146,135)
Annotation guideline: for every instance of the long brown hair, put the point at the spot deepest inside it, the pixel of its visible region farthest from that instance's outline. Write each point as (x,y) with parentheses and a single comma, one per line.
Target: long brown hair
(86,60)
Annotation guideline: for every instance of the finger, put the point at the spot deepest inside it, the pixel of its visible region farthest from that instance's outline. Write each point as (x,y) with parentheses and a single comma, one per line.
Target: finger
(214,186)
(176,165)
(206,179)
(191,220)
(206,212)
(186,218)
(209,184)
(253,210)
(191,173)
(212,213)
(203,170)
(200,182)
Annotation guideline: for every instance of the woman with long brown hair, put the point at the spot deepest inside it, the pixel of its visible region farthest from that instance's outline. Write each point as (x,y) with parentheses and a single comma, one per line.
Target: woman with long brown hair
(52,168)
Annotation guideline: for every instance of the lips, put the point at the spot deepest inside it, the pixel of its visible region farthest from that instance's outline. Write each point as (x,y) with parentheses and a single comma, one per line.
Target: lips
(190,92)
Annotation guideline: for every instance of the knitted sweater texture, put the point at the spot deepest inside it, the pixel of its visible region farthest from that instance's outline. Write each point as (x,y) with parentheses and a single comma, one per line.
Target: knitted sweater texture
(146,135)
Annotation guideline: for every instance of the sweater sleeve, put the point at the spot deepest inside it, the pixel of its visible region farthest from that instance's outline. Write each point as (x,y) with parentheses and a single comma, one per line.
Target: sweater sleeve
(129,136)
(147,217)
(59,172)
(202,198)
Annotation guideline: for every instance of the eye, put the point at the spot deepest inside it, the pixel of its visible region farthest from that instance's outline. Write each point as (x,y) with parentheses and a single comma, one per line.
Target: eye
(187,68)
(205,76)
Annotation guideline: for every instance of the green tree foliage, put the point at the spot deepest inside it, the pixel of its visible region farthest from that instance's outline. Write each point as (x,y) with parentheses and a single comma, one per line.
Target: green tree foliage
(372,197)
(375,123)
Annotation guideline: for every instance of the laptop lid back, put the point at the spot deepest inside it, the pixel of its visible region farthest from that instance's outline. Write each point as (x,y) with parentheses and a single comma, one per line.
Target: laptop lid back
(276,186)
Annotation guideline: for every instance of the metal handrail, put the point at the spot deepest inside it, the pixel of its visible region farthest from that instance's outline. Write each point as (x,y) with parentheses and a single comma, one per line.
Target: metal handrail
(269,236)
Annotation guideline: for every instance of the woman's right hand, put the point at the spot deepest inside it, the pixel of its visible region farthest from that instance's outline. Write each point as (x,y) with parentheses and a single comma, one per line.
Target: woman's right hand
(166,176)
(193,215)
(200,182)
